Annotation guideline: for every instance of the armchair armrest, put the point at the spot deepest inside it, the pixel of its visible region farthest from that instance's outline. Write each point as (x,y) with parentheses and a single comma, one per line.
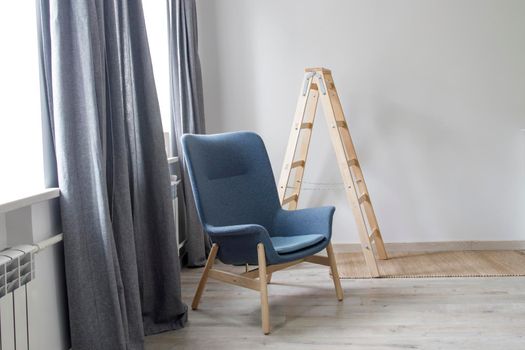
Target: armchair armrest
(238,243)
(304,221)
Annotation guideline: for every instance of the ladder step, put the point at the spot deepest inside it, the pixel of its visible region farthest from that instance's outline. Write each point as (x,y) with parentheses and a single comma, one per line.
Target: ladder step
(298,163)
(307,125)
(353,162)
(292,198)
(375,233)
(364,198)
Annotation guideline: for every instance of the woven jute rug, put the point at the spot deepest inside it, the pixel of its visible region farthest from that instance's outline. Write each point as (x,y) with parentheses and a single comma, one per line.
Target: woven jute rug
(487,263)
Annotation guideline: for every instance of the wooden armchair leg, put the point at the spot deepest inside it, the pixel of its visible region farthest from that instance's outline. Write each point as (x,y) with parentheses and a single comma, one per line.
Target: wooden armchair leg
(265,310)
(269,278)
(204,277)
(335,273)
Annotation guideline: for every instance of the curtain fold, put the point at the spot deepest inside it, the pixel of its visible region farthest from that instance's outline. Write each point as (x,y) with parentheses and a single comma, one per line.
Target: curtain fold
(101,112)
(187,112)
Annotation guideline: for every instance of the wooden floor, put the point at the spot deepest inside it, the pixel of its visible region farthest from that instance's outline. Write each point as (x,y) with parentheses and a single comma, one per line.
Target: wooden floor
(439,313)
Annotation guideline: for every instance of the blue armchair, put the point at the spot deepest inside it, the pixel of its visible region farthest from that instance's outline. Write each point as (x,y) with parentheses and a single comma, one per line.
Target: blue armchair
(238,206)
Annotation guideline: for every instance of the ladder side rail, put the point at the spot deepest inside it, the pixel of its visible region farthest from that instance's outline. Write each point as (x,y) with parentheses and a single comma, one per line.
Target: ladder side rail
(304,144)
(332,118)
(294,137)
(356,170)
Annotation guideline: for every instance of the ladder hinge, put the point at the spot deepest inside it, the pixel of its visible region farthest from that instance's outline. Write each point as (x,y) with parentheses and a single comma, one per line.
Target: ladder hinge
(306,80)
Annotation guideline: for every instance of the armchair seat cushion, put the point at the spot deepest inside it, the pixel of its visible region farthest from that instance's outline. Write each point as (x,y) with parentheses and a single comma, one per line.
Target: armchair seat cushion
(290,244)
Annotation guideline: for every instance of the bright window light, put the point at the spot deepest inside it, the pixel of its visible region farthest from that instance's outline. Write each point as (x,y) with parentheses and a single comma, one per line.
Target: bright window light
(21,159)
(155,13)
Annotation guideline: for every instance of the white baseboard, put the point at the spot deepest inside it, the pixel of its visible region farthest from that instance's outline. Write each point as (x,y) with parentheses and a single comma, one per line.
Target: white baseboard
(436,246)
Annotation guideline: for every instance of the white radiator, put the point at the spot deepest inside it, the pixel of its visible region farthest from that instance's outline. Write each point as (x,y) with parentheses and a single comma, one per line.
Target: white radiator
(16,271)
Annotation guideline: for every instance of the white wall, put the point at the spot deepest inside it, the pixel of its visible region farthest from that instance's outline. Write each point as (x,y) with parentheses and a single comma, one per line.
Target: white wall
(434,92)
(3,233)
(47,299)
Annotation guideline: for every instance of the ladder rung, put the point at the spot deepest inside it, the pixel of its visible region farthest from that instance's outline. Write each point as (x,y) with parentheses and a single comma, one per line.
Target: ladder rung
(307,125)
(341,124)
(375,233)
(364,198)
(299,163)
(353,162)
(292,198)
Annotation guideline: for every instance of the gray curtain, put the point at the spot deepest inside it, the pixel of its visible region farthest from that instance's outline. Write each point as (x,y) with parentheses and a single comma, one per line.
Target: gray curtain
(101,112)
(187,112)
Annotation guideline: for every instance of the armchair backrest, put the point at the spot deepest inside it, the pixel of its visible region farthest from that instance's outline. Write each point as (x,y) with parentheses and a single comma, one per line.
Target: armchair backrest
(231,178)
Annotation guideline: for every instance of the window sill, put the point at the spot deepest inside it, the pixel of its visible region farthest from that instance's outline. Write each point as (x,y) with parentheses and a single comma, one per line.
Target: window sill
(47,194)
(44,195)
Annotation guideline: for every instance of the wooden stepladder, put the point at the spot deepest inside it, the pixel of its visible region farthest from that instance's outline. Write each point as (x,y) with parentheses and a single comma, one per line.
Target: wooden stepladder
(318,83)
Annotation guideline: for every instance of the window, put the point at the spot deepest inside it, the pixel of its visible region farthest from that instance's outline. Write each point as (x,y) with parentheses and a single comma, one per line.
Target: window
(156,17)
(21,161)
